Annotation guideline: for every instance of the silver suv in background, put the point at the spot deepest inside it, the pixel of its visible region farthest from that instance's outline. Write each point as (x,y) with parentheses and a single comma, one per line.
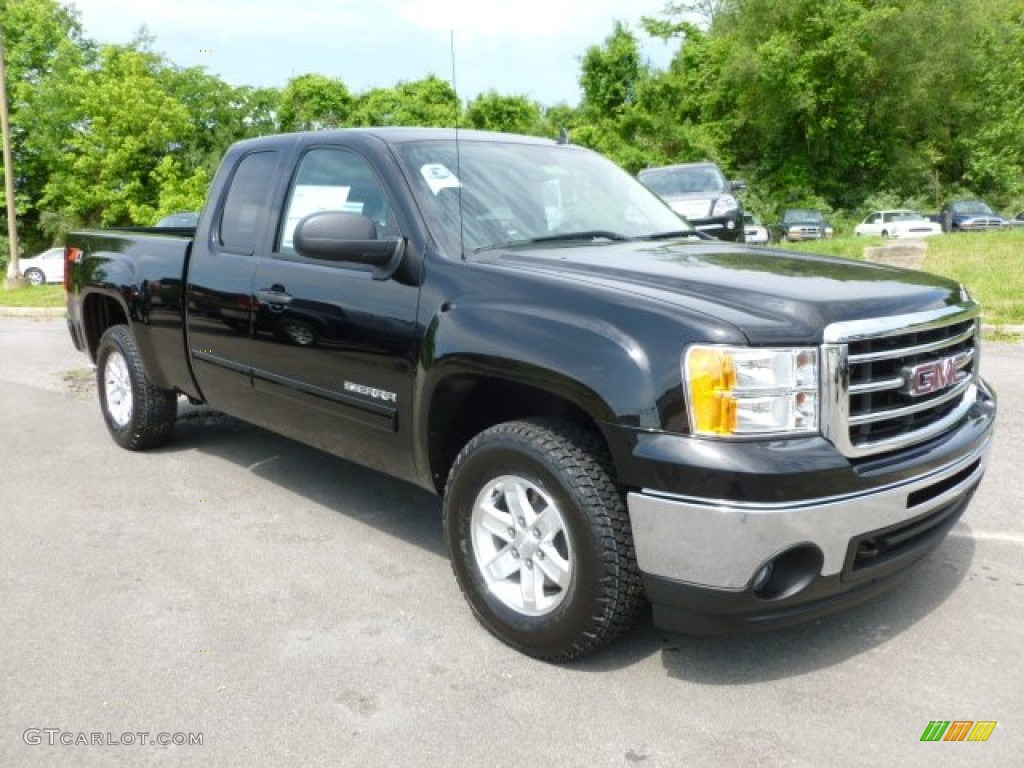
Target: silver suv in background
(700,193)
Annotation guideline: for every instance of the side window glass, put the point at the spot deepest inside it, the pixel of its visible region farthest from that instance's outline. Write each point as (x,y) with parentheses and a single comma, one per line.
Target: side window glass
(247,206)
(335,180)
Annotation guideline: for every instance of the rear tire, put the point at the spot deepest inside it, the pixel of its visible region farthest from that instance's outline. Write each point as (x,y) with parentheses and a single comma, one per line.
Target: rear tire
(35,276)
(138,414)
(539,539)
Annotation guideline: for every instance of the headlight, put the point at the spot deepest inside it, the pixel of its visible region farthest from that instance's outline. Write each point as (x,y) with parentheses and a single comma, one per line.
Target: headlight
(739,391)
(723,205)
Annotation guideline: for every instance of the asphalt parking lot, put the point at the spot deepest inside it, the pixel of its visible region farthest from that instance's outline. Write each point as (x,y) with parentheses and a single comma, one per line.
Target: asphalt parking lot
(296,610)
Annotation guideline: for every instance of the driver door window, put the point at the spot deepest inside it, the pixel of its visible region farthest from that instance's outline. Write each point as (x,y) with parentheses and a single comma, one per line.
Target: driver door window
(335,180)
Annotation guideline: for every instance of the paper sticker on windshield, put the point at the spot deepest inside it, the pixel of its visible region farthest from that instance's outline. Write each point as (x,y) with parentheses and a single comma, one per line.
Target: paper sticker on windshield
(438,177)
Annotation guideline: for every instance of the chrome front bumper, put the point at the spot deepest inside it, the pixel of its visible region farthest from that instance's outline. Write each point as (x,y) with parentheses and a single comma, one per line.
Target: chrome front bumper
(722,545)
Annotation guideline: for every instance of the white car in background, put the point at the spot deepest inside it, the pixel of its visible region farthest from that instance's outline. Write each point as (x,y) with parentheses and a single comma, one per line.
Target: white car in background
(754,231)
(47,267)
(897,224)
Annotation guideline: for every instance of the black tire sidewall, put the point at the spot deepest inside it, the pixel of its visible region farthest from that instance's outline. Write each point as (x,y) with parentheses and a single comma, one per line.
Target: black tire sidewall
(113,341)
(32,272)
(537,635)
(154,410)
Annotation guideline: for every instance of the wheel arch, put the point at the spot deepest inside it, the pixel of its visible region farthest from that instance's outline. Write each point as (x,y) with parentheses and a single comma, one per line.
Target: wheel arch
(464,404)
(101,311)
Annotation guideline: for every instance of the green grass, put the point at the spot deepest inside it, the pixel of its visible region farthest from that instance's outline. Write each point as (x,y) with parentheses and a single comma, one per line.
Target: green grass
(33,296)
(990,264)
(847,247)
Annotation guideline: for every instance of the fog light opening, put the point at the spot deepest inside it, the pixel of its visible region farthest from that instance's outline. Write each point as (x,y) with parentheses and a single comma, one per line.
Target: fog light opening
(787,573)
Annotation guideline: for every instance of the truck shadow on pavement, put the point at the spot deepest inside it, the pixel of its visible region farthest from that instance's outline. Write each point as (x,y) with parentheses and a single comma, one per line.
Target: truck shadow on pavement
(796,650)
(394,507)
(413,515)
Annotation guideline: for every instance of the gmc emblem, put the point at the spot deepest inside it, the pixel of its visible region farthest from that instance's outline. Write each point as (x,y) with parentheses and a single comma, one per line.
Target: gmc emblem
(935,376)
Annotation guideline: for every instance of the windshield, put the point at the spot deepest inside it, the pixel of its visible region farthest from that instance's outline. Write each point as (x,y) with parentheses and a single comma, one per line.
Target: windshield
(520,194)
(903,216)
(672,182)
(973,208)
(798,216)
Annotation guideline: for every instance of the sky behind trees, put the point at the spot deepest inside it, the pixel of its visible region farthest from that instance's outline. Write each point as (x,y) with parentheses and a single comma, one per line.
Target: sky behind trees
(527,47)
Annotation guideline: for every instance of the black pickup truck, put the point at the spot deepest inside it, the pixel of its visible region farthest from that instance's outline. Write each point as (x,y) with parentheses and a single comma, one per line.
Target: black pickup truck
(615,409)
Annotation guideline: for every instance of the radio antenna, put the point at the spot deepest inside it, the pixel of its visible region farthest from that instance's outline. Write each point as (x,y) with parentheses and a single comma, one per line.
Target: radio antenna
(458,155)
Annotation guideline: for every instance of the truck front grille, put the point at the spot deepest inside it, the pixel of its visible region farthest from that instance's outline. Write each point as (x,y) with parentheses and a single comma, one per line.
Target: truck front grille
(804,232)
(894,384)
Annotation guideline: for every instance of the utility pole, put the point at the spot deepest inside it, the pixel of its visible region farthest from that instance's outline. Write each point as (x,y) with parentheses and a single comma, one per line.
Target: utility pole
(14,280)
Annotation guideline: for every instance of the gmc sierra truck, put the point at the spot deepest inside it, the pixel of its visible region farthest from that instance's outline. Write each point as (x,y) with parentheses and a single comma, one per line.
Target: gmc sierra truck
(615,409)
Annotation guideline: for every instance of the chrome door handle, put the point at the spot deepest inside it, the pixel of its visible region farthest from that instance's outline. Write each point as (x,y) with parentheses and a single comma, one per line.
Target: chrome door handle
(274,297)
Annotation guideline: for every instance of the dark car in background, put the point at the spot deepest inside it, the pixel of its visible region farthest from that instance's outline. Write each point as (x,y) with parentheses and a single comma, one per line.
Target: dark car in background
(700,193)
(969,216)
(803,224)
(180,220)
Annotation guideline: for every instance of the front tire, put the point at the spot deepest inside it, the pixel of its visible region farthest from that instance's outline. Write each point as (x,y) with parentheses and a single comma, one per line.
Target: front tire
(138,414)
(540,541)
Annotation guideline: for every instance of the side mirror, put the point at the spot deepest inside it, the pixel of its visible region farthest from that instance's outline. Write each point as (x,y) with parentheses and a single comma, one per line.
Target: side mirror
(347,237)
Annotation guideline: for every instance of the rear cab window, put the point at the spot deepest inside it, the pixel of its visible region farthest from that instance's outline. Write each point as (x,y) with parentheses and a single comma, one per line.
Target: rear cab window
(246,211)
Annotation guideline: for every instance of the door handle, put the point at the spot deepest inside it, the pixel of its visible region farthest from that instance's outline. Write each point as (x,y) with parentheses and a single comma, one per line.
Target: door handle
(271,296)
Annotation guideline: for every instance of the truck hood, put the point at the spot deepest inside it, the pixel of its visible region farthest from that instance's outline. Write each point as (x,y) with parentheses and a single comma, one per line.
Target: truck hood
(772,297)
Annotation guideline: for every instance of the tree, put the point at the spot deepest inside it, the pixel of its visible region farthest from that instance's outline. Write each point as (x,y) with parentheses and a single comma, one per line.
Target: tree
(124,124)
(609,73)
(44,48)
(427,102)
(515,114)
(611,77)
(315,102)
(841,98)
(219,114)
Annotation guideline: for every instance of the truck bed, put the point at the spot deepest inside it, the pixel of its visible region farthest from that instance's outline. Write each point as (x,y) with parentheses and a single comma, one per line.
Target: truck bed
(141,270)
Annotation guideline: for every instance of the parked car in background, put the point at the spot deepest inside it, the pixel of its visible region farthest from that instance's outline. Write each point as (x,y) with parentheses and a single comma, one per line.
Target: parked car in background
(803,224)
(754,231)
(1017,221)
(700,193)
(969,216)
(899,223)
(46,267)
(180,220)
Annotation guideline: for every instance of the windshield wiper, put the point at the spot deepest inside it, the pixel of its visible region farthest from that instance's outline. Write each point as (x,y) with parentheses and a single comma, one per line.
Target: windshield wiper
(585,236)
(589,234)
(696,234)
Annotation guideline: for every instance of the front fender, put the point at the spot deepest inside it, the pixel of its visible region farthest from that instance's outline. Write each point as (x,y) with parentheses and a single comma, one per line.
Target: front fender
(585,360)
